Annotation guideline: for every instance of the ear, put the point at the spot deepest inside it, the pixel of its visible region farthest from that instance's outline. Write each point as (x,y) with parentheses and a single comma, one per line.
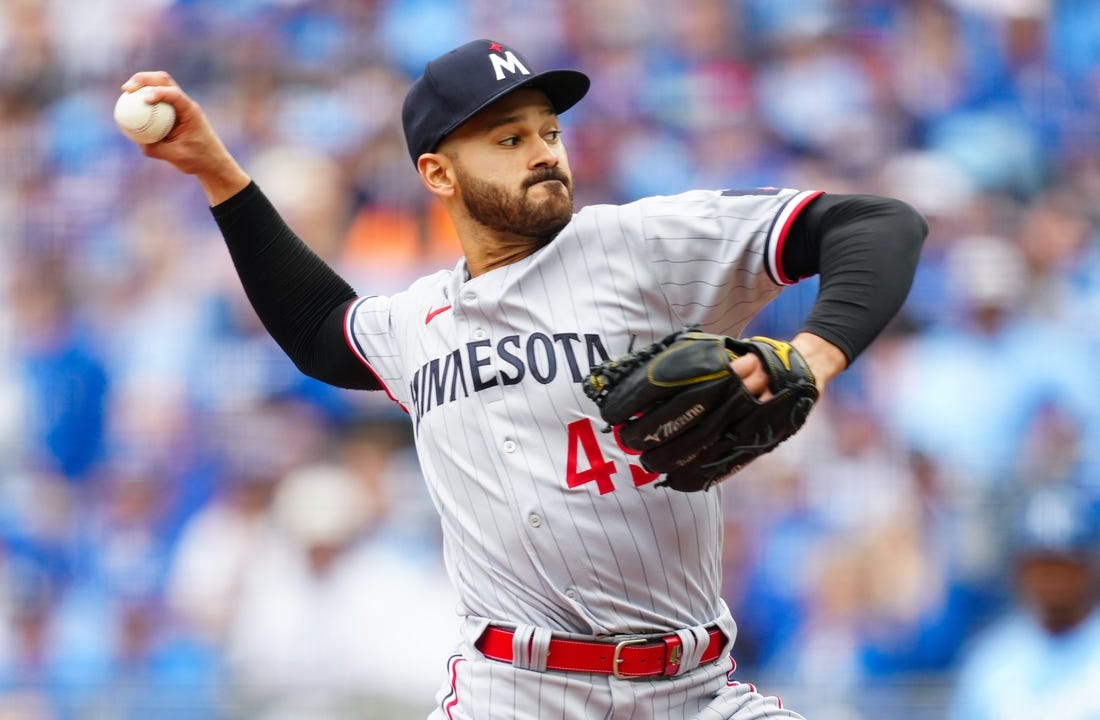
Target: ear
(437,174)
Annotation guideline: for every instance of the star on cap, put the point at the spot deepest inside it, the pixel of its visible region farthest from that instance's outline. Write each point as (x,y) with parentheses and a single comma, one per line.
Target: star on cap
(496,47)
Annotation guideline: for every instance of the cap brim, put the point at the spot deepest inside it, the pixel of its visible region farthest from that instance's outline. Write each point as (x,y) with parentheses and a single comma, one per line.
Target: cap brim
(563,88)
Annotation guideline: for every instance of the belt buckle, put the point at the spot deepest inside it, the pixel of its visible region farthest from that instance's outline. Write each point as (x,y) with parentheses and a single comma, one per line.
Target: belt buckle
(616,657)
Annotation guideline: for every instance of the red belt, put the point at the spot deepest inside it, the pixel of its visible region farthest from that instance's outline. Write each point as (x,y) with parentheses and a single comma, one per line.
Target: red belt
(632,658)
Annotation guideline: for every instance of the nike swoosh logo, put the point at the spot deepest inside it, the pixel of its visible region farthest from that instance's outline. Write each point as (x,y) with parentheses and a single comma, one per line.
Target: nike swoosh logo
(436,311)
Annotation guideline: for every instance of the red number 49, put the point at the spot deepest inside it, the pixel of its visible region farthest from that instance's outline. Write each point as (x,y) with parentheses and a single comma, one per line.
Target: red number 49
(598,469)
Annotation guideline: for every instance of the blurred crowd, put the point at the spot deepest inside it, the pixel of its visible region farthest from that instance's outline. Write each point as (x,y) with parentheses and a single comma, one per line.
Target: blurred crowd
(191,528)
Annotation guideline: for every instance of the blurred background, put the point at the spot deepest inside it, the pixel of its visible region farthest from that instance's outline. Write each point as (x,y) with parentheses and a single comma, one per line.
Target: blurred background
(189,528)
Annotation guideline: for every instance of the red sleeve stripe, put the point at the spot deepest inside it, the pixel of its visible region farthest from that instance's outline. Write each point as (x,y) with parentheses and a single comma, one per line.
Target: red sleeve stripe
(773,258)
(349,336)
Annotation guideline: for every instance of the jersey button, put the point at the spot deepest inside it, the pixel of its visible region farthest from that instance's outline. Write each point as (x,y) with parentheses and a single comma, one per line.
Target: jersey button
(509,446)
(480,334)
(571,594)
(535,520)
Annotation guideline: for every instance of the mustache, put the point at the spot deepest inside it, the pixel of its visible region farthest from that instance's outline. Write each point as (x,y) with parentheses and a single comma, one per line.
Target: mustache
(546,173)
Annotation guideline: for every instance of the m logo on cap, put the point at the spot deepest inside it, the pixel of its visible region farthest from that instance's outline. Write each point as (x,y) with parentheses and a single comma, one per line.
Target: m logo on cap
(509,62)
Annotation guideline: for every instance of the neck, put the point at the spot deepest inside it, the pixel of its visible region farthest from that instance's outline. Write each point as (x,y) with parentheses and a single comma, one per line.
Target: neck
(486,249)
(484,259)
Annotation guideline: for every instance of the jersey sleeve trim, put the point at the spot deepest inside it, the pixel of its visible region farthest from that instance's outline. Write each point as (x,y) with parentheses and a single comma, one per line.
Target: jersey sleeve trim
(349,336)
(777,236)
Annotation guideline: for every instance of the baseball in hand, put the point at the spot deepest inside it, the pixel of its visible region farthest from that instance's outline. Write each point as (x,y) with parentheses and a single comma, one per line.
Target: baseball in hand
(142,122)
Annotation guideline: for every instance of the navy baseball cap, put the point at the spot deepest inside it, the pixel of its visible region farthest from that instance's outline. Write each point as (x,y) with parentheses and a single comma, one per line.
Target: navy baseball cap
(459,84)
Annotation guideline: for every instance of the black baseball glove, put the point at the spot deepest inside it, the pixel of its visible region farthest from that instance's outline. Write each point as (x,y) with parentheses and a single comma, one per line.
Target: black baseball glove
(679,403)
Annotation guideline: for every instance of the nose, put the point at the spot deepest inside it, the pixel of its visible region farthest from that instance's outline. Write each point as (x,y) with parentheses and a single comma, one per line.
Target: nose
(544,155)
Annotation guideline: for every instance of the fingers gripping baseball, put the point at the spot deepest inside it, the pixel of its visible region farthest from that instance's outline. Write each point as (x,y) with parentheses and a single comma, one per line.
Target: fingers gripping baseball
(144,113)
(149,77)
(192,145)
(684,405)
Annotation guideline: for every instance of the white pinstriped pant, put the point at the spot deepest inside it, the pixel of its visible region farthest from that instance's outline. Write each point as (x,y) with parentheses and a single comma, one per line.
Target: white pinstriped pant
(482,689)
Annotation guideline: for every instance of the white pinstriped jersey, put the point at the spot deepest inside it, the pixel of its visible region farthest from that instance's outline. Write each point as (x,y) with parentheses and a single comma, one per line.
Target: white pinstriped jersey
(547,520)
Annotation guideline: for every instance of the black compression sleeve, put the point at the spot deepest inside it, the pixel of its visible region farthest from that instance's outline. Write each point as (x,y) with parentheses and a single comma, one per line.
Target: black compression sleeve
(300,299)
(866,249)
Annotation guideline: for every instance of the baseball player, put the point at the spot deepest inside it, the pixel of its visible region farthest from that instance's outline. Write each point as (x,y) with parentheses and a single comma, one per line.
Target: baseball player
(589,589)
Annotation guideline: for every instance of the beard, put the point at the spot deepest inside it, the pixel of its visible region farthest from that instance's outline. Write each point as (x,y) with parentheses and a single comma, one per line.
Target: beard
(518,214)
